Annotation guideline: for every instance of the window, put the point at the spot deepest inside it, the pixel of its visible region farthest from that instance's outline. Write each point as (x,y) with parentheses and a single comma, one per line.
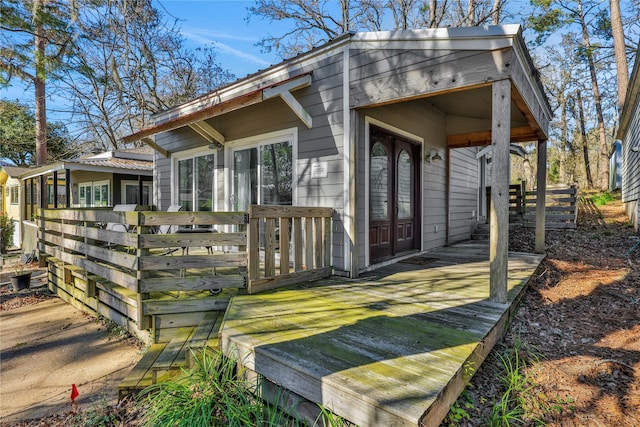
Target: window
(93,194)
(263,175)
(195,181)
(14,194)
(130,193)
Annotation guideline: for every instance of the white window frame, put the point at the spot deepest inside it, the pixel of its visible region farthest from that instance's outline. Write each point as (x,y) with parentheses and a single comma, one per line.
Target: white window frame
(123,188)
(289,135)
(191,154)
(93,185)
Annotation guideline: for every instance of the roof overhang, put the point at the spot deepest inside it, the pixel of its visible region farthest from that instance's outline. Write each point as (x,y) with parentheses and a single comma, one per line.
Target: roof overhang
(196,119)
(631,100)
(77,166)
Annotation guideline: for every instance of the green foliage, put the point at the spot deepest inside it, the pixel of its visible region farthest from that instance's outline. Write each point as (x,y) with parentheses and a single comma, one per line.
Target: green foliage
(511,407)
(18,135)
(210,394)
(602,199)
(213,393)
(7,227)
(459,411)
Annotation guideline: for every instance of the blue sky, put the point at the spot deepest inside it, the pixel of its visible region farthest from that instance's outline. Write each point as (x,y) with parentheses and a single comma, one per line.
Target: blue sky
(223,23)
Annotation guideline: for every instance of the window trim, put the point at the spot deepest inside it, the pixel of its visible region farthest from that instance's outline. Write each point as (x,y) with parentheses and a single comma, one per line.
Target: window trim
(14,189)
(93,185)
(285,135)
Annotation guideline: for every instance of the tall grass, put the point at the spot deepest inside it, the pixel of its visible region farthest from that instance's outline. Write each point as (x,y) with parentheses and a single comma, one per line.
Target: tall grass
(214,393)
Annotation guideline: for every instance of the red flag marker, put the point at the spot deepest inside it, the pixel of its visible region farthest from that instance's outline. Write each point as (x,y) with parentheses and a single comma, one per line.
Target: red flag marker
(74,393)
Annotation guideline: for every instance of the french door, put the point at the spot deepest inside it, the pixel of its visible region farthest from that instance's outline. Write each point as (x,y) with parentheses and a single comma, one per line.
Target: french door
(394,188)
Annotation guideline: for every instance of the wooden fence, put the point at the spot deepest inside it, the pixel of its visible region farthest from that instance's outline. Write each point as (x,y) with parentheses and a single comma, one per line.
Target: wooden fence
(143,279)
(561,207)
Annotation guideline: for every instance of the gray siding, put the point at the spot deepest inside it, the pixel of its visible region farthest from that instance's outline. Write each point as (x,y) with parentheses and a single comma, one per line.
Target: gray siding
(631,168)
(384,75)
(323,100)
(463,193)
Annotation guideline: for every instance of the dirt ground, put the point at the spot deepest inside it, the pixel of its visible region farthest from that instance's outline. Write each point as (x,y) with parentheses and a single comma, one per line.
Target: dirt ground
(577,331)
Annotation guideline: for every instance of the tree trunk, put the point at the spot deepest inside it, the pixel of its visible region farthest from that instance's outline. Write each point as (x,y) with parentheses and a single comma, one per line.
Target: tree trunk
(604,152)
(495,12)
(622,70)
(585,148)
(433,4)
(562,176)
(38,81)
(471,13)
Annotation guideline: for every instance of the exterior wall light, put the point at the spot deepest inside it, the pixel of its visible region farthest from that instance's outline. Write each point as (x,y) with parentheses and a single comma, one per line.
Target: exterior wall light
(433,156)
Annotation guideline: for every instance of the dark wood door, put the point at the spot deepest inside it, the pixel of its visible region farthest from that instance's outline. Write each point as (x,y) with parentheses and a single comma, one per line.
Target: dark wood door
(393,195)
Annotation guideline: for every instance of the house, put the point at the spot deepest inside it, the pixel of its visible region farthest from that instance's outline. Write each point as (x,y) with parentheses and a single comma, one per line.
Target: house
(12,197)
(384,127)
(629,135)
(100,180)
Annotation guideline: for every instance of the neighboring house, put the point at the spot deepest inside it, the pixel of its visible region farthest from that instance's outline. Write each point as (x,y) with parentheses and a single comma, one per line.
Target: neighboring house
(629,135)
(384,127)
(12,198)
(101,180)
(615,166)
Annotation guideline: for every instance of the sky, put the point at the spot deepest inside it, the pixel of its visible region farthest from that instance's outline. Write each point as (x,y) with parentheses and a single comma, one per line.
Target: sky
(221,23)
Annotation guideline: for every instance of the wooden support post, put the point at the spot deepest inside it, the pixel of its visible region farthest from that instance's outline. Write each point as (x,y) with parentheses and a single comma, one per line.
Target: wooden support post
(541,196)
(499,223)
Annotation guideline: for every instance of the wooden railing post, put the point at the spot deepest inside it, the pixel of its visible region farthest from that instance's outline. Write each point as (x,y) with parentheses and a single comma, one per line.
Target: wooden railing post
(144,321)
(254,246)
(284,245)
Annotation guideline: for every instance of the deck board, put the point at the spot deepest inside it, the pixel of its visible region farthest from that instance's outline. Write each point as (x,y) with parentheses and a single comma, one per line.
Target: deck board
(383,349)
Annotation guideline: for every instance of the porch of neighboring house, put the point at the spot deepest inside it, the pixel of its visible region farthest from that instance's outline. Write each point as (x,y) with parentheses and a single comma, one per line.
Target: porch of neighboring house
(393,347)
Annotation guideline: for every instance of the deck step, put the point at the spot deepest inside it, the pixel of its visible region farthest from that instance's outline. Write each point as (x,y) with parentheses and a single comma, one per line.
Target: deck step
(141,375)
(164,360)
(205,337)
(173,357)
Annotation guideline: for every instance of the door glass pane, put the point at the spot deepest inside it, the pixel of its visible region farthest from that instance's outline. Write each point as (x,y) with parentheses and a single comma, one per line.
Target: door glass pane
(379,182)
(104,191)
(245,178)
(277,166)
(89,199)
(204,182)
(185,184)
(131,194)
(145,195)
(405,185)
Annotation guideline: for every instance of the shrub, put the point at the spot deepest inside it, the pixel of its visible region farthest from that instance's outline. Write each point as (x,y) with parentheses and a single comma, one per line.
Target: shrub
(7,227)
(602,199)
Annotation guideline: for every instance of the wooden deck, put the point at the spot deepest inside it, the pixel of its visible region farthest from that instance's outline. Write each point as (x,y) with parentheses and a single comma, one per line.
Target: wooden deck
(394,347)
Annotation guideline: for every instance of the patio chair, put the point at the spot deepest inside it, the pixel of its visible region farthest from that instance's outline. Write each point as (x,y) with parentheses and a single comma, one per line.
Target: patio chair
(166,229)
(117,226)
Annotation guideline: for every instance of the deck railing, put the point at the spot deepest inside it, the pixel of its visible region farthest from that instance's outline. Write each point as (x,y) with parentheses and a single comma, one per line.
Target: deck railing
(125,272)
(295,241)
